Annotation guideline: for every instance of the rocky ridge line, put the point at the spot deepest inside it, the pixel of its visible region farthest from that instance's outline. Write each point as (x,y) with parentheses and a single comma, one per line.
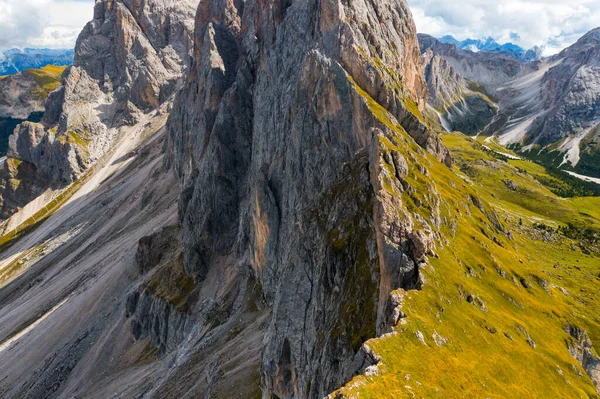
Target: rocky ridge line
(128,61)
(284,117)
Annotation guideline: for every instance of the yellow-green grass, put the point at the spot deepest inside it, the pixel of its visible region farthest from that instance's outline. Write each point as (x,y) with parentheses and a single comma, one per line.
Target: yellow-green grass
(31,223)
(522,283)
(80,140)
(494,145)
(47,78)
(15,267)
(36,220)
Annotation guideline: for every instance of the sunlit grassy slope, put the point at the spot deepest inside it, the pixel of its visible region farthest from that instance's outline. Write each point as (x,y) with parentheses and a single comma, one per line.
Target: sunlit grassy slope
(498,298)
(48,78)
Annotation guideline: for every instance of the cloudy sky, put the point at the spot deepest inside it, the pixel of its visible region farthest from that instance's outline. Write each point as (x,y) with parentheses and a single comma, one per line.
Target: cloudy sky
(42,23)
(554,24)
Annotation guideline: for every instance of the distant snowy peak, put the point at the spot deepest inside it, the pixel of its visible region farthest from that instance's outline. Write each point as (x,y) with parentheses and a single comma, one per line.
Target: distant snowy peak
(16,60)
(492,46)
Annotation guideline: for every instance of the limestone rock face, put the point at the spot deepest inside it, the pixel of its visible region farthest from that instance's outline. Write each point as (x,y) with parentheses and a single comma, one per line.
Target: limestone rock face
(20,96)
(138,48)
(279,142)
(128,61)
(571,91)
(460,104)
(581,348)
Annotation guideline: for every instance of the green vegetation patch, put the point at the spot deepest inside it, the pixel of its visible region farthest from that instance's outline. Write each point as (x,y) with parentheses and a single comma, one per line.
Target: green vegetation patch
(491,320)
(47,78)
(171,283)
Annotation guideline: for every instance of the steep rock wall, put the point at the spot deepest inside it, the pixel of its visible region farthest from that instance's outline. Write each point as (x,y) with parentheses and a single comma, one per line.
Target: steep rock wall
(277,138)
(128,61)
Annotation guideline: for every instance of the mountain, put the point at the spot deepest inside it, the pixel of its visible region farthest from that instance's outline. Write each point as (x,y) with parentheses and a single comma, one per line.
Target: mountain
(16,60)
(249,199)
(26,92)
(460,105)
(489,45)
(211,280)
(567,131)
(22,97)
(126,64)
(548,109)
(462,84)
(488,69)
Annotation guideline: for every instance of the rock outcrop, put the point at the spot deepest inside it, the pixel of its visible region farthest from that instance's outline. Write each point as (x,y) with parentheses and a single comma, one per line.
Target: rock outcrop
(128,61)
(26,92)
(581,348)
(279,138)
(460,104)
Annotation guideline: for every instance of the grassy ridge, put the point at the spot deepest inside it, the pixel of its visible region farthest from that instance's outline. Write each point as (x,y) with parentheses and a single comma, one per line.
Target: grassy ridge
(47,78)
(491,320)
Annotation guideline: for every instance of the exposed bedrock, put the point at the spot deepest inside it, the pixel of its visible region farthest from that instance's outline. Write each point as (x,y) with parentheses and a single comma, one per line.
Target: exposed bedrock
(278,138)
(128,61)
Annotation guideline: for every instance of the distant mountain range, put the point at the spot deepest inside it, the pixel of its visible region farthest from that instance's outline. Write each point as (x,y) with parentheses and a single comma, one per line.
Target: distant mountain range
(16,60)
(547,110)
(491,46)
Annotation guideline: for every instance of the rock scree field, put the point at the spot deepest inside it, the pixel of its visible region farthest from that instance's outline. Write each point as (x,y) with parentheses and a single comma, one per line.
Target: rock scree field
(295,199)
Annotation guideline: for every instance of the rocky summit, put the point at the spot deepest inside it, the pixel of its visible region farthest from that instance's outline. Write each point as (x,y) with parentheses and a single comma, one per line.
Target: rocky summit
(258,199)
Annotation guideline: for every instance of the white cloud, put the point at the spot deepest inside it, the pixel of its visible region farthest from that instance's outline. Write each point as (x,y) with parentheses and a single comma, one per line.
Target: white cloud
(554,24)
(42,23)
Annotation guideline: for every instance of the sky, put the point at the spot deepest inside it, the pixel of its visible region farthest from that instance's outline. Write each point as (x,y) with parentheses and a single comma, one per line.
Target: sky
(553,24)
(42,23)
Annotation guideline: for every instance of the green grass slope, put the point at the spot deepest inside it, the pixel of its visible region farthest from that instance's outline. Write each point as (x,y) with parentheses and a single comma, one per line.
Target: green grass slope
(516,266)
(47,79)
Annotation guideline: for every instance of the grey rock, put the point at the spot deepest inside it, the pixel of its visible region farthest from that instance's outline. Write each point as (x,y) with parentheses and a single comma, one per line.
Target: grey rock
(21,95)
(461,105)
(277,139)
(129,60)
(582,349)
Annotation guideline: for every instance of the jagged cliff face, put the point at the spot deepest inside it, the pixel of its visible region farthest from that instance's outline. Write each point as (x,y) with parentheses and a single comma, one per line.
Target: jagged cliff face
(548,107)
(22,94)
(128,61)
(137,48)
(571,91)
(460,104)
(277,143)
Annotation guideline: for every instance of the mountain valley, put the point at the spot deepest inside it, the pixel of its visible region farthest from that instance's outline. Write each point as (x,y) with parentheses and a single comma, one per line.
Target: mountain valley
(298,199)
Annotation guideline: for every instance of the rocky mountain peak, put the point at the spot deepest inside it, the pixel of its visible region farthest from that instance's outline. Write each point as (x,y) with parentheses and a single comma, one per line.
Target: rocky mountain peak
(128,61)
(139,47)
(283,116)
